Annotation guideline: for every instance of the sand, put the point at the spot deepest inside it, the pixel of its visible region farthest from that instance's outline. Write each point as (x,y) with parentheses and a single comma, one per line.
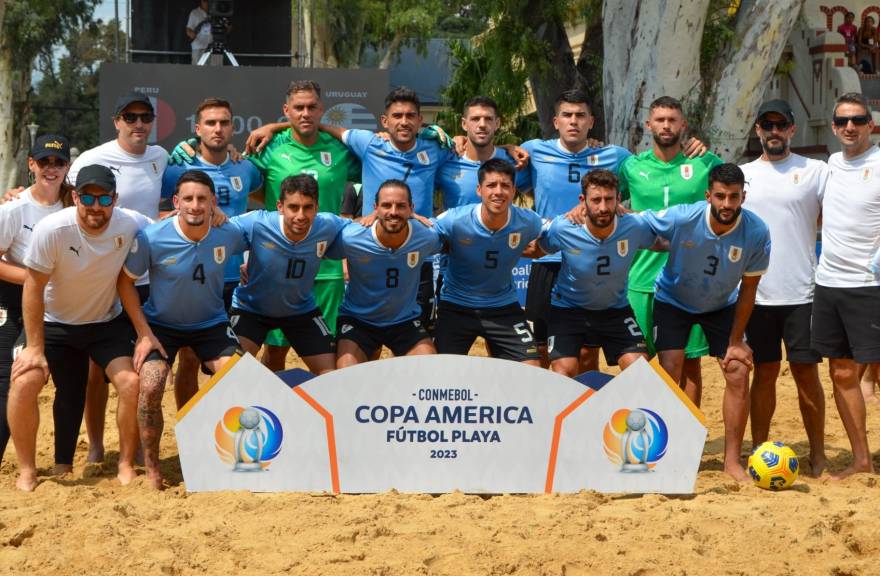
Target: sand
(87,523)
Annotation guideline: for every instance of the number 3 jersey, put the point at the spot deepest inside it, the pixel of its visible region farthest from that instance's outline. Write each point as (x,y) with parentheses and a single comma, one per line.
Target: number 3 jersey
(186,277)
(383,282)
(479,270)
(704,269)
(281,272)
(594,271)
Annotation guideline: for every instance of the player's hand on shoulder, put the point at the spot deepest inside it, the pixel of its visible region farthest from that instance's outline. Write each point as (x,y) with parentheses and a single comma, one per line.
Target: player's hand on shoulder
(12,194)
(519,155)
(366,221)
(694,148)
(737,351)
(436,133)
(424,221)
(258,139)
(577,215)
(234,154)
(532,250)
(594,143)
(28,359)
(461,144)
(184,153)
(218,217)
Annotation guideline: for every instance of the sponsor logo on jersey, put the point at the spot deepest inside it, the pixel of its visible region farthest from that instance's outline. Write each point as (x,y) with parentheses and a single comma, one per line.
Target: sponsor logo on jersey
(688,244)
(687,171)
(236,183)
(623,247)
(364,259)
(74,250)
(134,246)
(412,259)
(169,261)
(593,160)
(119,241)
(320,248)
(644,175)
(735,253)
(286,157)
(219,254)
(417,323)
(326,159)
(423,157)
(4,314)
(155,167)
(513,239)
(268,245)
(574,251)
(346,328)
(26,227)
(866,174)
(465,241)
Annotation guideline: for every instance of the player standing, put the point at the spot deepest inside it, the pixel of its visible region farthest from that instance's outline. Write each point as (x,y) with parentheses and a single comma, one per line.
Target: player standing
(785,190)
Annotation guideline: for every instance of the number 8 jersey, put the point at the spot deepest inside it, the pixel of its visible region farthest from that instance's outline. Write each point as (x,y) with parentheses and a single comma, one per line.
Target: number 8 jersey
(704,270)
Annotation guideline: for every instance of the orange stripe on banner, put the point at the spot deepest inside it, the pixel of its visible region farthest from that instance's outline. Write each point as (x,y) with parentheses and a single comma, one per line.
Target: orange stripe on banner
(218,375)
(698,414)
(557,433)
(331,435)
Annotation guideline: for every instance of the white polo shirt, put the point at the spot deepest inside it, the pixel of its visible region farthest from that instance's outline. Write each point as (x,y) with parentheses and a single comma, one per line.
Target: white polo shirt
(17,220)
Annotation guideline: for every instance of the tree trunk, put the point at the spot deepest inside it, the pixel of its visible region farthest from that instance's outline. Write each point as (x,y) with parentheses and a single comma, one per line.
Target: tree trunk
(651,49)
(9,123)
(558,73)
(390,52)
(589,67)
(762,30)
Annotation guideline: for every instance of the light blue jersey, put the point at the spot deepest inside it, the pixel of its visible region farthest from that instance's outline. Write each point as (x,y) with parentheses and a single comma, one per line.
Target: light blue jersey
(281,273)
(232,183)
(381,161)
(457,179)
(186,277)
(594,272)
(704,270)
(480,261)
(383,283)
(555,175)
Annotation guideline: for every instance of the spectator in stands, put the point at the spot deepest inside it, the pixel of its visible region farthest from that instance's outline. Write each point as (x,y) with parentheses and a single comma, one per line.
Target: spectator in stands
(848,30)
(868,47)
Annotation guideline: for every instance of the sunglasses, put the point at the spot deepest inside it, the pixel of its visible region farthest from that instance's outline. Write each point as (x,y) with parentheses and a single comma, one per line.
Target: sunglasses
(104,200)
(131,117)
(53,162)
(768,125)
(860,120)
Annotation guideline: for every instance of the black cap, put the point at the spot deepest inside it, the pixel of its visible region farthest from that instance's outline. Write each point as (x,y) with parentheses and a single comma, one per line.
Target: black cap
(125,101)
(778,106)
(97,175)
(51,145)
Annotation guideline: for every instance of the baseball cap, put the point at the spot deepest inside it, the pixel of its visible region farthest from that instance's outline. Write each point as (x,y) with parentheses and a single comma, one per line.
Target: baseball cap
(98,175)
(51,145)
(778,106)
(126,100)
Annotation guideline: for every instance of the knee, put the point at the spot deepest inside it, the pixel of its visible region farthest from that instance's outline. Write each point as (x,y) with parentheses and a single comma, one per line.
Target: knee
(842,372)
(27,385)
(736,374)
(127,384)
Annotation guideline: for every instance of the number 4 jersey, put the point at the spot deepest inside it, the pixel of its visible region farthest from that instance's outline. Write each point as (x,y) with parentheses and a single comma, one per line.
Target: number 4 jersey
(704,269)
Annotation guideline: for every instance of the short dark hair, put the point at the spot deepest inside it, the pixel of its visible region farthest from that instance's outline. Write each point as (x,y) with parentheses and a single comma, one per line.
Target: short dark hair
(853,98)
(403,94)
(304,184)
(394,183)
(496,166)
(483,101)
(303,86)
(212,103)
(666,102)
(573,97)
(196,176)
(727,174)
(600,178)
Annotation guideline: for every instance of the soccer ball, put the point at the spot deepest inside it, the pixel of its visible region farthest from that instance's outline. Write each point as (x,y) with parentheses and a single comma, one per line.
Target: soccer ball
(773,466)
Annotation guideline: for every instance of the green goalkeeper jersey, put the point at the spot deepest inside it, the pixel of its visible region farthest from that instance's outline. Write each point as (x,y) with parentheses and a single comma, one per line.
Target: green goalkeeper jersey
(328,161)
(652,184)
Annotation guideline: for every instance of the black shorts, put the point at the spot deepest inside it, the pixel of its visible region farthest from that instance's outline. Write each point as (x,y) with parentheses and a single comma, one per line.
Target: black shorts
(400,338)
(615,330)
(208,343)
(103,342)
(542,277)
(771,326)
(228,289)
(425,295)
(307,333)
(672,327)
(504,328)
(846,323)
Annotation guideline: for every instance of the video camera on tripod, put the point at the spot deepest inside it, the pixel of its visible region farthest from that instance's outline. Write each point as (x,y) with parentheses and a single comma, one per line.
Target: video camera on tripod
(220,14)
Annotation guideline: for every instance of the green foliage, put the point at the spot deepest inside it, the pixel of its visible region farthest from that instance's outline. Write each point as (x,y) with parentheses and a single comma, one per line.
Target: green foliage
(30,26)
(719,33)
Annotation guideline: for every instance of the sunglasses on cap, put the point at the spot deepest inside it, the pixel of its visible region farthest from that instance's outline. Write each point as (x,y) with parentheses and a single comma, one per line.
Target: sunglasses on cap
(768,125)
(859,120)
(104,200)
(51,161)
(131,117)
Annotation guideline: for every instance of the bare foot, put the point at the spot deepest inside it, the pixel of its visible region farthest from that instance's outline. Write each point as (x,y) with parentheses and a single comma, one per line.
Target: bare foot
(737,472)
(96,453)
(854,469)
(62,469)
(126,474)
(817,465)
(154,479)
(27,480)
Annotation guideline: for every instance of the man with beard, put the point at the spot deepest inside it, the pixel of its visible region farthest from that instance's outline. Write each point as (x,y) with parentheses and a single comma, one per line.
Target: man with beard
(713,247)
(785,190)
(186,258)
(590,308)
(846,303)
(655,180)
(384,262)
(234,182)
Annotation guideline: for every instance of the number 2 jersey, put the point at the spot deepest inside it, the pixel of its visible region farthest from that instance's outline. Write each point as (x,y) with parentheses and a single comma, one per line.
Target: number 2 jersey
(383,282)
(704,269)
(186,277)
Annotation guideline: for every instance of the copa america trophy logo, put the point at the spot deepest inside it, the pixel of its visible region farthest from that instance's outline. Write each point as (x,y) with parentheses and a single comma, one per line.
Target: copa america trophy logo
(635,439)
(248,438)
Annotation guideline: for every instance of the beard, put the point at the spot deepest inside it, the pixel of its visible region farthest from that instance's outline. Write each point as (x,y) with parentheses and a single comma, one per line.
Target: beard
(775,149)
(717,215)
(669,142)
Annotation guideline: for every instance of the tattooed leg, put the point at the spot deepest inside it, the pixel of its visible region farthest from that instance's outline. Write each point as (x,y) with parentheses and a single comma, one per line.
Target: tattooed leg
(152,384)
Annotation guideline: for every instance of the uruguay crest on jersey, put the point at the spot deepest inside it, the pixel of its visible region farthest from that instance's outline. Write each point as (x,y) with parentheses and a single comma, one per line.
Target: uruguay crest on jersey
(687,171)
(623,247)
(118,241)
(320,248)
(236,183)
(513,239)
(326,159)
(866,174)
(423,157)
(734,254)
(593,160)
(412,259)
(219,254)
(796,178)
